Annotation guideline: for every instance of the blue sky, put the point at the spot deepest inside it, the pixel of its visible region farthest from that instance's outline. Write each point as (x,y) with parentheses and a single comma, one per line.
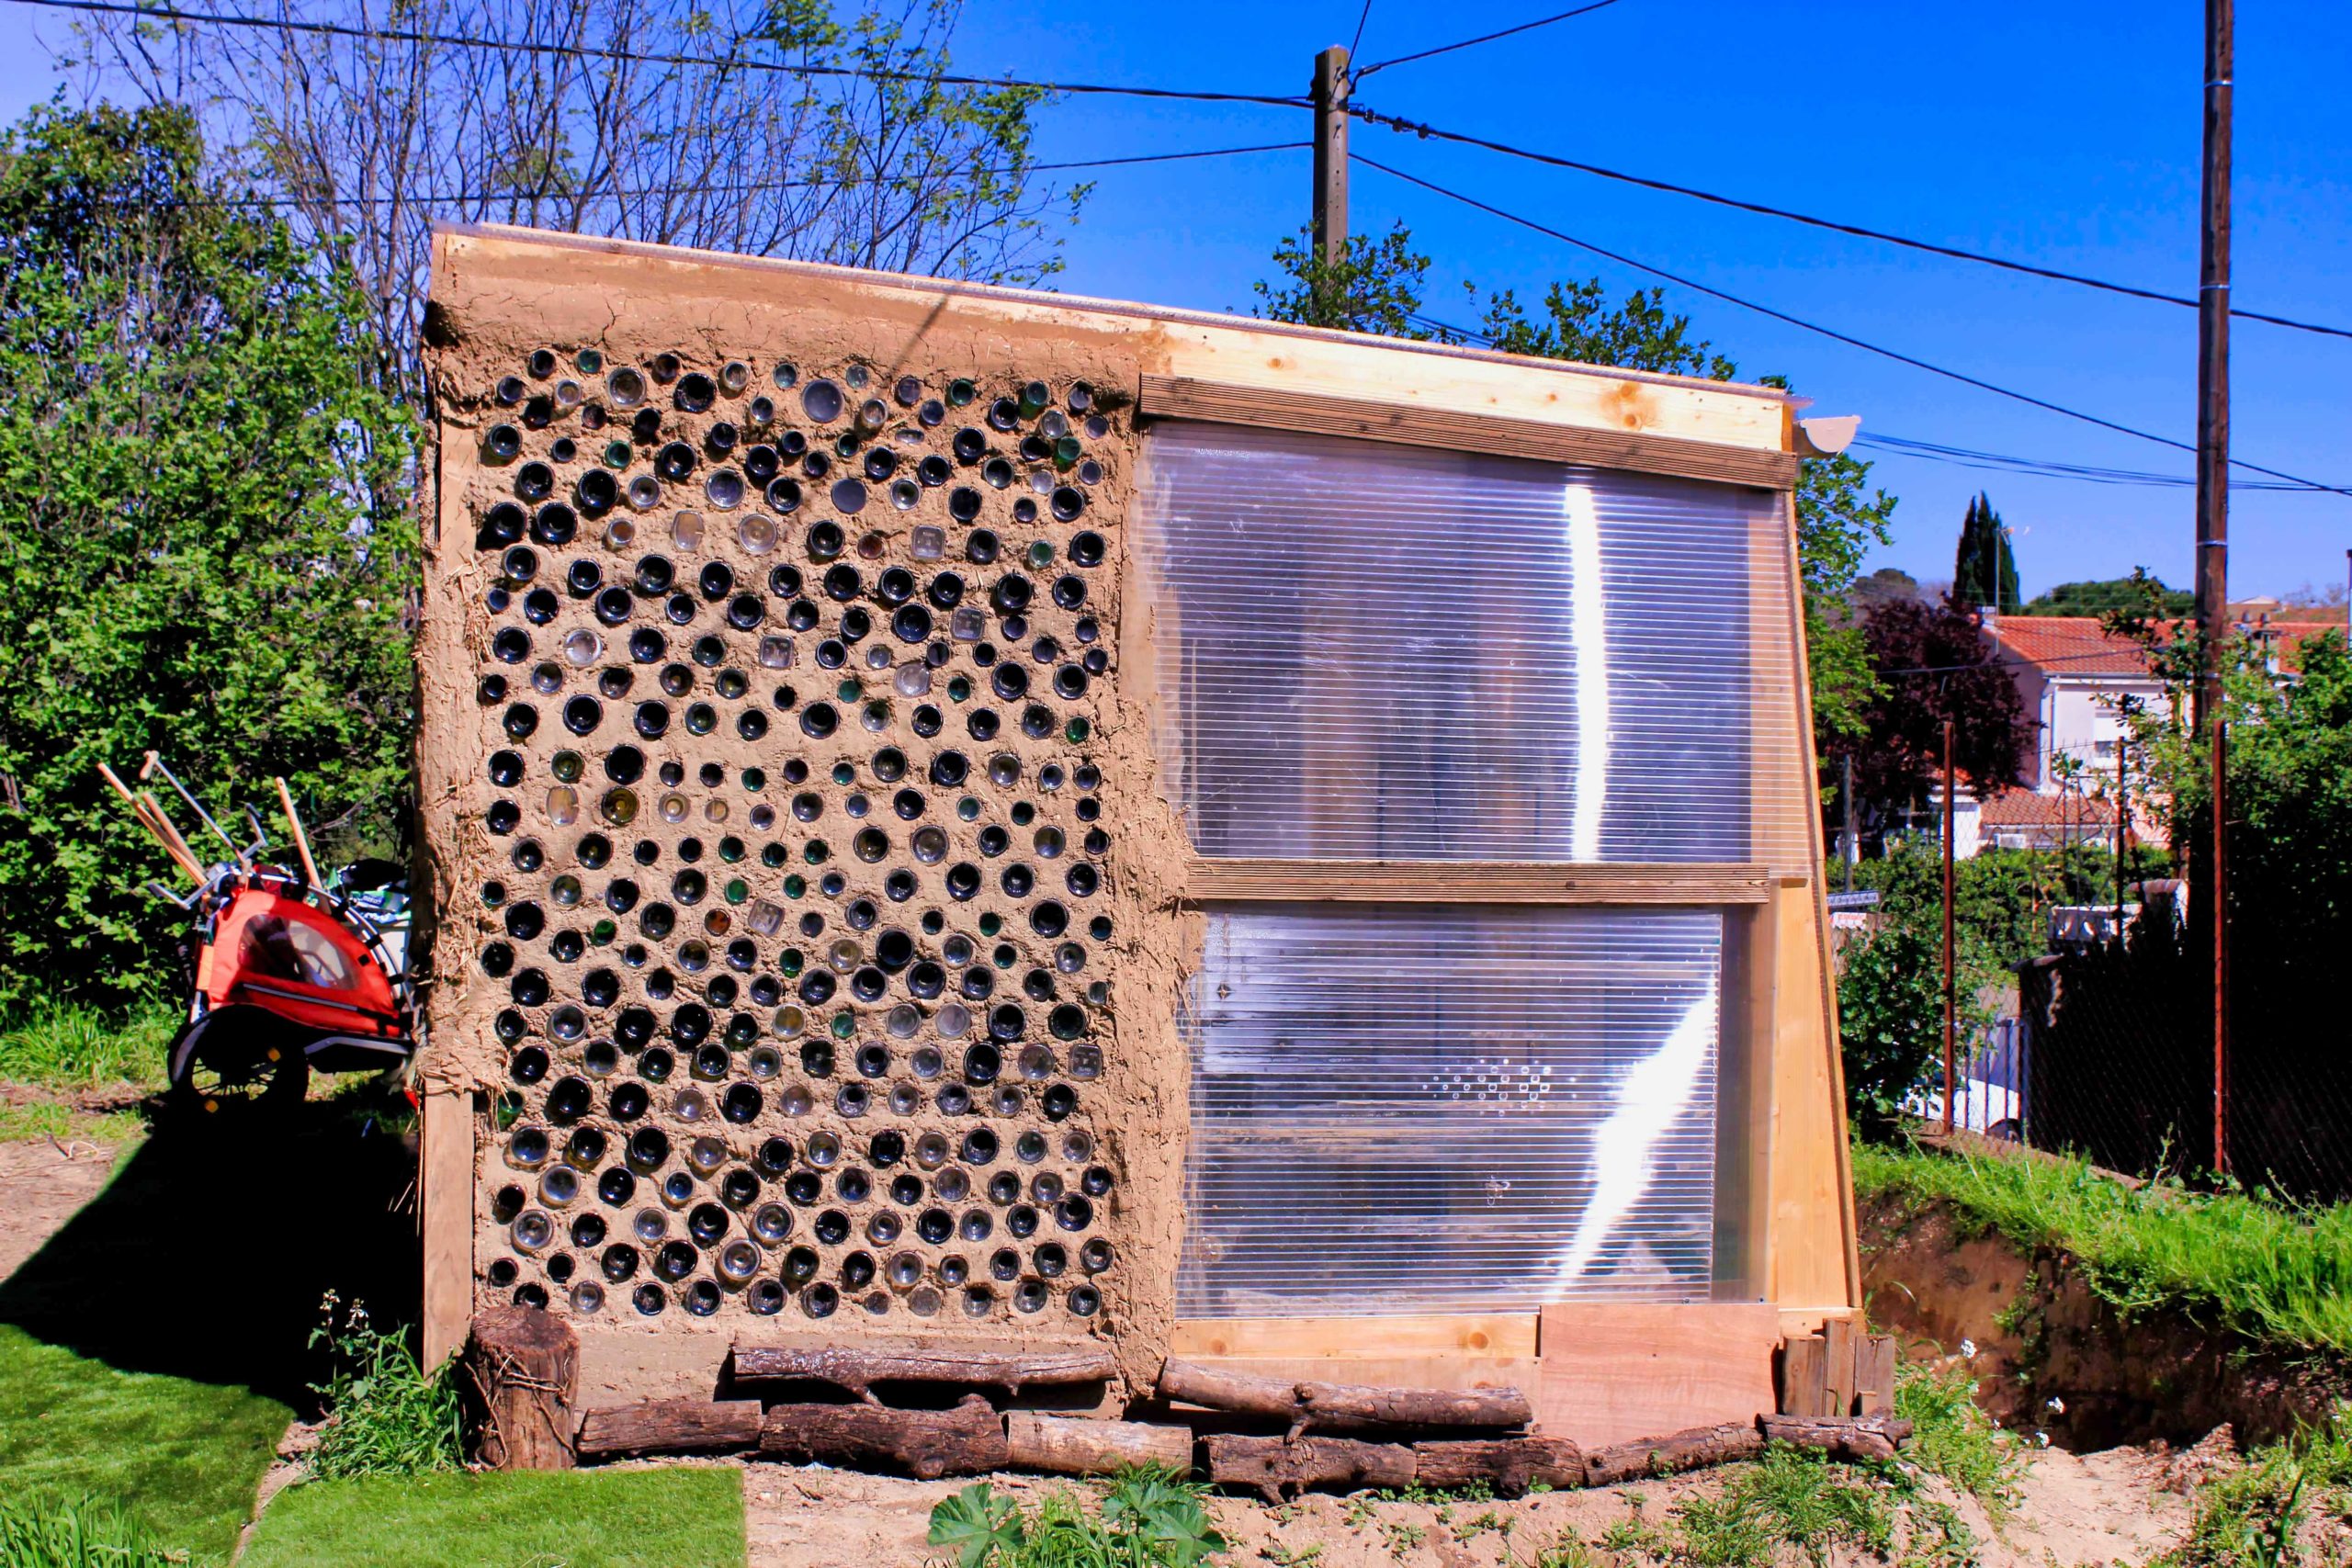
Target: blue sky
(2061,134)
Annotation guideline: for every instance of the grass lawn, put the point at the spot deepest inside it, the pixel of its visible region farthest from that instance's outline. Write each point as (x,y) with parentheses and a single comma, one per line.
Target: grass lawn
(684,1518)
(2280,1276)
(181,1456)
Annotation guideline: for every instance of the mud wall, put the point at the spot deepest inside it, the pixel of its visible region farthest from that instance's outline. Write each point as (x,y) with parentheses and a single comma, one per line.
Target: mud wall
(802,893)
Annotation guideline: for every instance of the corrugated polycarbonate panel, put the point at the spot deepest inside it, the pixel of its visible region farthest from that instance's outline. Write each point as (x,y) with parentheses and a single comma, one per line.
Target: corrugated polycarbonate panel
(1450,1108)
(1376,651)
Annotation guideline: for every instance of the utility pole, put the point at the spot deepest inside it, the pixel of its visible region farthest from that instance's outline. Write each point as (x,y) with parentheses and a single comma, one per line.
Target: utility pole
(2122,824)
(1952,999)
(1846,790)
(1331,224)
(2213,510)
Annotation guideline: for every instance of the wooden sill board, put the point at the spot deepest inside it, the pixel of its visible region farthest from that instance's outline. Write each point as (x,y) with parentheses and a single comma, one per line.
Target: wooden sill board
(1472,882)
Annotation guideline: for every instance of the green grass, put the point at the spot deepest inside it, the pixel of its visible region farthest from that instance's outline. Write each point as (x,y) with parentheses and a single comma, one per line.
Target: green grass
(591,1519)
(41,1532)
(180,1458)
(80,1047)
(2280,1276)
(51,1119)
(1953,1437)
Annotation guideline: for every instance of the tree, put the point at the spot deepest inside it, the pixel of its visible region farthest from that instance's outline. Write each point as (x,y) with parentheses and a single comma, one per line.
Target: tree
(1984,573)
(1927,663)
(192,558)
(2109,596)
(1886,583)
(1377,287)
(763,127)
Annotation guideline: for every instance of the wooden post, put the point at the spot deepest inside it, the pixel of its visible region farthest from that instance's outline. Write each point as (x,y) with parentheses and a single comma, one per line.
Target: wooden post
(446,1215)
(2213,494)
(2217,893)
(525,1367)
(301,840)
(1952,805)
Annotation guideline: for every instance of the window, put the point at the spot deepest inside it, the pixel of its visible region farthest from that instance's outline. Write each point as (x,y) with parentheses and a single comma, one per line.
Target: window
(1389,669)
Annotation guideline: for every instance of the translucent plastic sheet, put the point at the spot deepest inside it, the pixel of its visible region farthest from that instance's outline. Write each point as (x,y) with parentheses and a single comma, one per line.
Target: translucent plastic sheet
(1376,651)
(1450,1110)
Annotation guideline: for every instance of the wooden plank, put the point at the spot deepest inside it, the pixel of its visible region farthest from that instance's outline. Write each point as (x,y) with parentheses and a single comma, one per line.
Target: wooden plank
(1874,1376)
(1838,1344)
(1502,1334)
(1447,1369)
(446,1215)
(1471,882)
(1804,1361)
(1248,355)
(1614,1373)
(1322,413)
(1806,1168)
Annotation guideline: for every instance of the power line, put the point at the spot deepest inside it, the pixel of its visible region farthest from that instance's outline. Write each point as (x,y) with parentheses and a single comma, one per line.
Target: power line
(1362,18)
(2049,469)
(1830,332)
(429,199)
(1392,122)
(588,52)
(1483,37)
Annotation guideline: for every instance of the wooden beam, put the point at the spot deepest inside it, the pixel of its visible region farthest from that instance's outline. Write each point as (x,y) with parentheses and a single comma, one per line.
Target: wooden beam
(1471,882)
(446,1215)
(1316,413)
(858,1371)
(1355,1339)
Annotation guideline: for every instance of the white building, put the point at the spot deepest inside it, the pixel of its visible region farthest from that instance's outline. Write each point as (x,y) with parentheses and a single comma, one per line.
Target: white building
(2076,680)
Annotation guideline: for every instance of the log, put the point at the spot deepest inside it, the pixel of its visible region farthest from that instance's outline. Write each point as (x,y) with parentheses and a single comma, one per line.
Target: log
(525,1367)
(671,1427)
(1508,1464)
(859,1371)
(1276,1465)
(1073,1447)
(969,1439)
(1340,1407)
(1676,1451)
(1859,1437)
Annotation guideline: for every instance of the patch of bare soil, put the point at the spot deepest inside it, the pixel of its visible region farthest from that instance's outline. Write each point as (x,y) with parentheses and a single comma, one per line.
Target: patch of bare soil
(2056,1359)
(43,1183)
(2078,1511)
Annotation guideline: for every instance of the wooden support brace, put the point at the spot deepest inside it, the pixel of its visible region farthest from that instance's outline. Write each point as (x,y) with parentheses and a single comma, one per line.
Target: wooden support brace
(859,1371)
(671,1427)
(1277,1466)
(1070,1446)
(1803,1363)
(1340,1407)
(1676,1451)
(969,1439)
(526,1365)
(1847,1438)
(1839,1340)
(1509,1464)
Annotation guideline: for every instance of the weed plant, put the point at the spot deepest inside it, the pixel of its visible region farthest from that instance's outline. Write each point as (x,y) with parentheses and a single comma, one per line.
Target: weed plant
(44,1532)
(68,1047)
(2263,1514)
(1951,1437)
(384,1415)
(2278,1274)
(1147,1518)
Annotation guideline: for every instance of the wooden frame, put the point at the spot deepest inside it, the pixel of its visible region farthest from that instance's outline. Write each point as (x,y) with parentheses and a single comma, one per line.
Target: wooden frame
(1316,413)
(1471,882)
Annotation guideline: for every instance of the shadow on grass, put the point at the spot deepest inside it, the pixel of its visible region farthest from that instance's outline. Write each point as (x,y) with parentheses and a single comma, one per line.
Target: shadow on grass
(205,1257)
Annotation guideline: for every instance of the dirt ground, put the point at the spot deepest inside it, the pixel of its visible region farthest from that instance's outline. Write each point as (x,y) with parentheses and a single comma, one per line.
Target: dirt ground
(41,1185)
(2079,1510)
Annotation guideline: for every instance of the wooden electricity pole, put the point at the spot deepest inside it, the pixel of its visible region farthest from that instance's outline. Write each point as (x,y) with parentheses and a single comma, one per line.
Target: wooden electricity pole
(2213,507)
(1331,224)
(1952,997)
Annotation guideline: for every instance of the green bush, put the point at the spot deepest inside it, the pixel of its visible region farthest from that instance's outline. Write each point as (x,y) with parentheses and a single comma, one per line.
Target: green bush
(204,546)
(1147,1518)
(384,1415)
(43,1532)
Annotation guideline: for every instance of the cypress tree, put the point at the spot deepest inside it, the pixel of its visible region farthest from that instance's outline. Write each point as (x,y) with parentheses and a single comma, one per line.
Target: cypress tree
(1985,572)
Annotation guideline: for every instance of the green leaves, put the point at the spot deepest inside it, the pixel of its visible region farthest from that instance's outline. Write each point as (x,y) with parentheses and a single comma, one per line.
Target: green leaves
(1149,1518)
(977,1524)
(205,546)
